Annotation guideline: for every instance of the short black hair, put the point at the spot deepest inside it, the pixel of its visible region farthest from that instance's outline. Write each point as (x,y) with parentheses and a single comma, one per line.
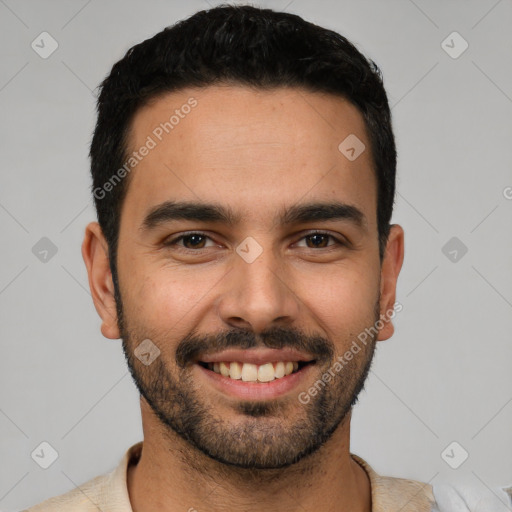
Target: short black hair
(245,45)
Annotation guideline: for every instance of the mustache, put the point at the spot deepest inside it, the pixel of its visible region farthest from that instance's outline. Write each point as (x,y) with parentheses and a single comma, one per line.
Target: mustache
(194,344)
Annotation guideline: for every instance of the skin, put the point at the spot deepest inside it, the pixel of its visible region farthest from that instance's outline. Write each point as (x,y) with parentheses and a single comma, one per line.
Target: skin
(256,152)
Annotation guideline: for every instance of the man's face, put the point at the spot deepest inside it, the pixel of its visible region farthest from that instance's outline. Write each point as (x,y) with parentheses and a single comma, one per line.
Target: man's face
(260,289)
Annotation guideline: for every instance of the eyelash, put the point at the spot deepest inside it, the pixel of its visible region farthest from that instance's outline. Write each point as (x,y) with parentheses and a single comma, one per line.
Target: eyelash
(174,241)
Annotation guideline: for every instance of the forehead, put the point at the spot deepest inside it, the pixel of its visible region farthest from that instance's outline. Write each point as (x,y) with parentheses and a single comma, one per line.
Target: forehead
(256,151)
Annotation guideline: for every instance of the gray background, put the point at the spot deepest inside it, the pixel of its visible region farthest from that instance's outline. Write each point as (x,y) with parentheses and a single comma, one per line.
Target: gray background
(445,375)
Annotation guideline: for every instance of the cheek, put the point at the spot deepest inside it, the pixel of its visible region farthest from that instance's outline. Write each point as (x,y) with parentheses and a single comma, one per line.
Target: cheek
(344,301)
(168,300)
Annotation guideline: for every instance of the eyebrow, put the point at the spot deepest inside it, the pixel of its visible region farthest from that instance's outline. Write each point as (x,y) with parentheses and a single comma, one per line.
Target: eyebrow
(208,212)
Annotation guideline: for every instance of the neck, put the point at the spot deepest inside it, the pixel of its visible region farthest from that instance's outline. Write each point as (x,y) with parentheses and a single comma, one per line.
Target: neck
(172,475)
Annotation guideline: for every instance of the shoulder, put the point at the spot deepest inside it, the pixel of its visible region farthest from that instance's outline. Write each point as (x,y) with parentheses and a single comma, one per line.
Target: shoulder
(105,492)
(390,494)
(81,499)
(469,498)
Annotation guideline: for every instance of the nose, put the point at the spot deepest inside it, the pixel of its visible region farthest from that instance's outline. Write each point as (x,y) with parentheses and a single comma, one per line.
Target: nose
(258,295)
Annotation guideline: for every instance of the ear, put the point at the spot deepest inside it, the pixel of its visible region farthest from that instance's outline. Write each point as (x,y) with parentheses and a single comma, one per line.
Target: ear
(391,265)
(95,255)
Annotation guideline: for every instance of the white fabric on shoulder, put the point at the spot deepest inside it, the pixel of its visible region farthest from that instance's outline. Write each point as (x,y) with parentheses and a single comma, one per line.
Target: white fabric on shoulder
(465,498)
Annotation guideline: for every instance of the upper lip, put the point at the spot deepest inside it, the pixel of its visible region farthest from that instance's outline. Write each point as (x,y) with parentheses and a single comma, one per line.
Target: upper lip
(256,356)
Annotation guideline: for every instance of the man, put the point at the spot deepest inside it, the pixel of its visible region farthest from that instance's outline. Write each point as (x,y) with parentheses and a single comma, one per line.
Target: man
(243,167)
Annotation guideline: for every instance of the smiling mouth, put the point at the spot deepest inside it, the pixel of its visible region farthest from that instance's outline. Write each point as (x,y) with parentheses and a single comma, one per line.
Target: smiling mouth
(249,372)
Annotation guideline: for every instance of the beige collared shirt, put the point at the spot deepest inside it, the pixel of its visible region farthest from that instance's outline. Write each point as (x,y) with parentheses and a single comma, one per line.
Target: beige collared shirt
(109,492)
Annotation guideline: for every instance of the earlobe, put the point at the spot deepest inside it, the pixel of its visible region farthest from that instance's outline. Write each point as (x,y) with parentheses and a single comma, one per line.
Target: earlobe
(390,269)
(95,255)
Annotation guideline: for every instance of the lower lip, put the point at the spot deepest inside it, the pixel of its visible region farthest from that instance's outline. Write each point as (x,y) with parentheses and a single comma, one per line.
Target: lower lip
(256,390)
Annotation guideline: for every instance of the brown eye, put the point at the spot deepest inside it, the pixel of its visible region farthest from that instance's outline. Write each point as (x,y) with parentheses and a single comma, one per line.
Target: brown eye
(194,241)
(189,241)
(320,240)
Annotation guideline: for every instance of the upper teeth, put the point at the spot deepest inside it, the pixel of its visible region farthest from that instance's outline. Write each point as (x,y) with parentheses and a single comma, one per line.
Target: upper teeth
(249,372)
